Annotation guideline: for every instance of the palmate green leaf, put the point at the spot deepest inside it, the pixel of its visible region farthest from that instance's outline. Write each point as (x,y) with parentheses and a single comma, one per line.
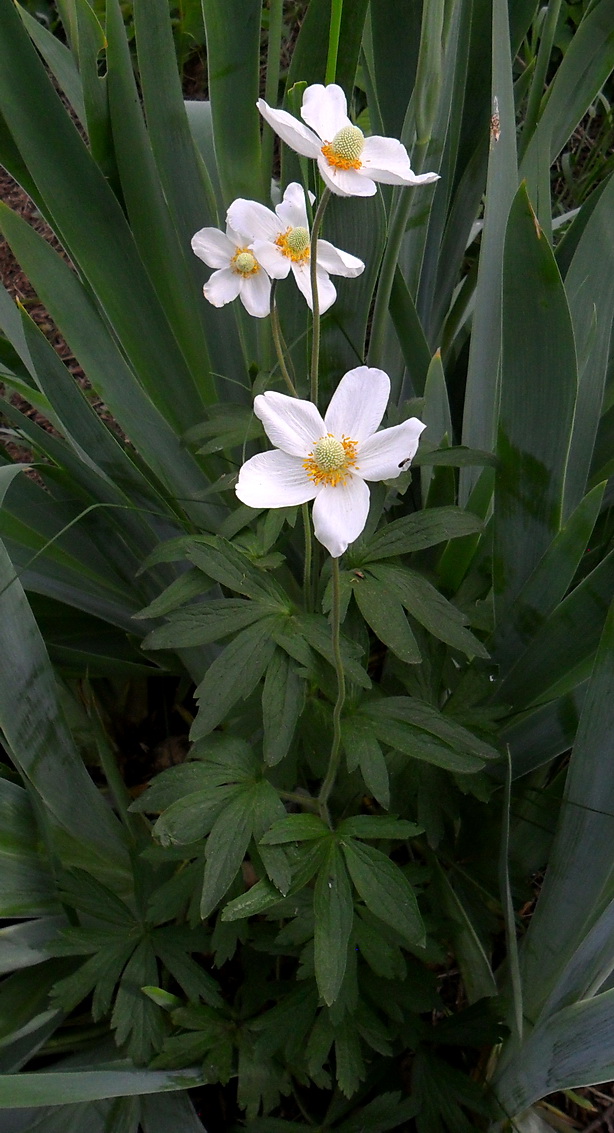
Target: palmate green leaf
(190,818)
(384,890)
(334,914)
(421,732)
(234,675)
(315,629)
(384,613)
(137,1020)
(207,622)
(538,391)
(251,810)
(363,750)
(296,828)
(226,564)
(429,607)
(283,696)
(419,530)
(262,896)
(378,826)
(386,1112)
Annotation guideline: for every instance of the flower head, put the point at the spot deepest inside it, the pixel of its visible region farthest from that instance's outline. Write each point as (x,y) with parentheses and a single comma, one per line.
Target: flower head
(349,163)
(328,460)
(281,243)
(239,271)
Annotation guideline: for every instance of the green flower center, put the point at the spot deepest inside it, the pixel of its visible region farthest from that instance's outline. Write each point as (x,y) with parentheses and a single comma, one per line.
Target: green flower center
(329,454)
(297,240)
(245,263)
(348,143)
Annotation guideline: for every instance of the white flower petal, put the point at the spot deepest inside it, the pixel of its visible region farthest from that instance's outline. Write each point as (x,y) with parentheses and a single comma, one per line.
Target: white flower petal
(340,514)
(292,211)
(255,292)
(290,423)
(222,288)
(337,262)
(358,403)
(213,246)
(274,479)
(386,160)
(326,290)
(252,218)
(290,130)
(385,455)
(325,109)
(272,258)
(345,182)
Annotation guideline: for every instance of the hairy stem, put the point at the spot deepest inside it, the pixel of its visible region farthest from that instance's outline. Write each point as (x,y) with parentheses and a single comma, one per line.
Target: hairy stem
(335,751)
(279,344)
(315,345)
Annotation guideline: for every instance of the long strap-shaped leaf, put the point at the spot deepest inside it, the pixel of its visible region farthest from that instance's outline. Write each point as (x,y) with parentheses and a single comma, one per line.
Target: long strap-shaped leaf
(37,734)
(538,391)
(88,218)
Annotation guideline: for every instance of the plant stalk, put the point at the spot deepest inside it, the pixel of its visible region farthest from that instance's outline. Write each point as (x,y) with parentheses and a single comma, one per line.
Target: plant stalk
(315,345)
(335,751)
(279,344)
(336,12)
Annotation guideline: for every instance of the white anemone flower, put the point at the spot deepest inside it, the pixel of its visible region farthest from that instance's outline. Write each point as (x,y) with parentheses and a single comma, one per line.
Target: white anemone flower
(239,272)
(349,163)
(281,242)
(329,460)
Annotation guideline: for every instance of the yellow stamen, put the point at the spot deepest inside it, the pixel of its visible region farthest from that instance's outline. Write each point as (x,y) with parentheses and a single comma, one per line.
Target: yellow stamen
(244,263)
(345,149)
(294,243)
(331,460)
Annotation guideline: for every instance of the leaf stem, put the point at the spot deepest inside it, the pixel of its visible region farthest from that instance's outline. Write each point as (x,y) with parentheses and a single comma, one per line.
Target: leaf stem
(335,751)
(315,345)
(336,12)
(279,343)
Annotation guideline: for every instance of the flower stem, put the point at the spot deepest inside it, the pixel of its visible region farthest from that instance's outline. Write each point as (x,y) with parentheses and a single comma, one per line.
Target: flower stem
(315,345)
(279,344)
(335,751)
(336,11)
(384,288)
(307,583)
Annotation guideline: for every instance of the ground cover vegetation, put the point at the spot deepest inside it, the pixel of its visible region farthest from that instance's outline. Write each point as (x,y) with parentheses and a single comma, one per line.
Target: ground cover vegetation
(346,515)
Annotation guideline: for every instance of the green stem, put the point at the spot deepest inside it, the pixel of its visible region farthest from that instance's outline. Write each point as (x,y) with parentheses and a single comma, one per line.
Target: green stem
(304,801)
(279,344)
(307,595)
(384,287)
(335,751)
(336,11)
(315,345)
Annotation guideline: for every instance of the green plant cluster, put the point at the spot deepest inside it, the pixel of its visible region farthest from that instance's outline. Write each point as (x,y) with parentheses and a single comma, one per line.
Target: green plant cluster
(317,919)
